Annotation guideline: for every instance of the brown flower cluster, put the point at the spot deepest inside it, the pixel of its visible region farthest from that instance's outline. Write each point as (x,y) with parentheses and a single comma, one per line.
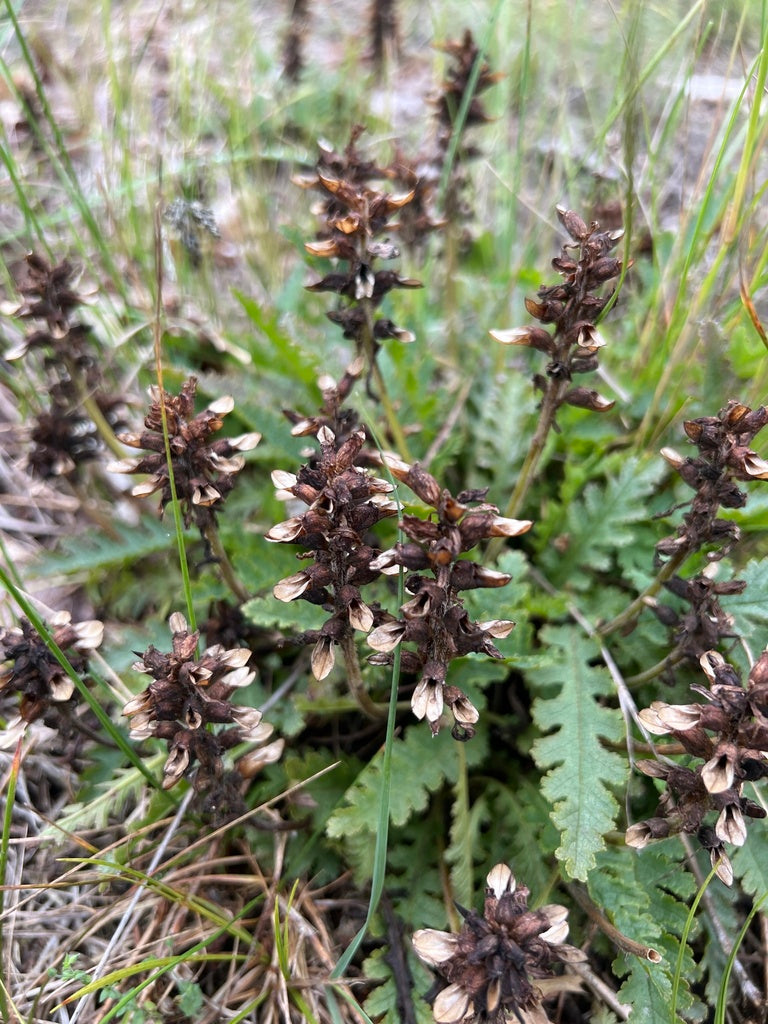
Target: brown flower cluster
(422,174)
(724,457)
(32,670)
(729,734)
(64,436)
(490,968)
(344,501)
(187,696)
(435,619)
(573,306)
(355,216)
(204,471)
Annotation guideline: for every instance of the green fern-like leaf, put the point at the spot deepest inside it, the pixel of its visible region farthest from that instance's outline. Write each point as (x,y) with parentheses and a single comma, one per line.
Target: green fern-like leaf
(645,896)
(382,1004)
(127,544)
(600,523)
(750,608)
(420,766)
(750,862)
(580,771)
(107,803)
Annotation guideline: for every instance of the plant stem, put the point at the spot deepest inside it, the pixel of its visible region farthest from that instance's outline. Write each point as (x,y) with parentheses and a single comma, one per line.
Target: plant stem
(667,571)
(228,573)
(374,370)
(627,945)
(655,670)
(549,407)
(355,680)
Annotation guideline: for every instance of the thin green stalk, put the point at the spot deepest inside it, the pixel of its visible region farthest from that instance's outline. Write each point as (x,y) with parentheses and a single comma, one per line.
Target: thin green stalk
(10,795)
(722,995)
(683,941)
(648,70)
(685,309)
(466,100)
(382,829)
(30,219)
(527,473)
(635,607)
(369,350)
(157,333)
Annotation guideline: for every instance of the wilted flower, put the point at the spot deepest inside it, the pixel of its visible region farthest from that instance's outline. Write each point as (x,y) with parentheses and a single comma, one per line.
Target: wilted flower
(489,970)
(435,619)
(724,457)
(344,501)
(66,433)
(729,734)
(204,471)
(585,264)
(190,693)
(422,174)
(32,669)
(354,215)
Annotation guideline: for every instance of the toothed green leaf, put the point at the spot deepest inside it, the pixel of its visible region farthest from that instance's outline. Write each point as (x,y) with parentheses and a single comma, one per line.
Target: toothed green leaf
(581,772)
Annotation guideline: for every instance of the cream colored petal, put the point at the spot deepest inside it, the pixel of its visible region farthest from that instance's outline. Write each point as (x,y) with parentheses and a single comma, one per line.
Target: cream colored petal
(498,628)
(89,634)
(323,657)
(222,405)
(501,880)
(252,763)
(177,623)
(731,827)
(236,657)
(718,774)
(246,442)
(282,480)
(451,1006)
(556,934)
(291,587)
(638,836)
(386,637)
(285,532)
(680,717)
(239,677)
(143,490)
(249,719)
(360,616)
(501,527)
(175,766)
(434,947)
(62,688)
(511,336)
(650,719)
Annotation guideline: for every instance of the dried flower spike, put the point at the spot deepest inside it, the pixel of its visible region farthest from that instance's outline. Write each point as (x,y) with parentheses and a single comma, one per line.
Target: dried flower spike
(435,619)
(354,215)
(585,265)
(344,502)
(204,471)
(32,669)
(729,734)
(489,970)
(187,696)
